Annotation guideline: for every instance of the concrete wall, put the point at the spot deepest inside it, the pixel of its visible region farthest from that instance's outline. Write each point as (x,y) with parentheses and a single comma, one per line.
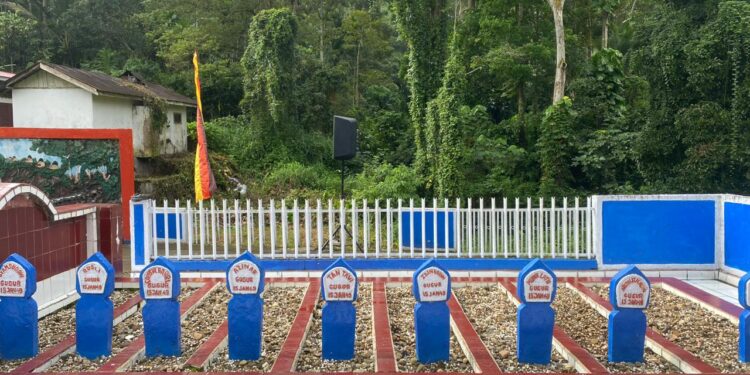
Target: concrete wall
(52,108)
(737,235)
(113,113)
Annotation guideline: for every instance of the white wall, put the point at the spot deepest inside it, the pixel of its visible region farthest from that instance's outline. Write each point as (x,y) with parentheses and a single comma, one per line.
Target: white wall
(113,113)
(176,133)
(52,108)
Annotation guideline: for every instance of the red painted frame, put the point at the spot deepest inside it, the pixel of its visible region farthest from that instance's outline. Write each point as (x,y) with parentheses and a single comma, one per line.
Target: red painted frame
(124,137)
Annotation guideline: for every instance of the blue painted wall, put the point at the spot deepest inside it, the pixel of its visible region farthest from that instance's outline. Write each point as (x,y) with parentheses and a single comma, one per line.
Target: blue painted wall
(138,234)
(658,232)
(428,229)
(172,224)
(737,235)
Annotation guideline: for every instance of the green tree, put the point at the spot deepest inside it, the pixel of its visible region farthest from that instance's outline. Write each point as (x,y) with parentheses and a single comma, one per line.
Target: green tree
(557,149)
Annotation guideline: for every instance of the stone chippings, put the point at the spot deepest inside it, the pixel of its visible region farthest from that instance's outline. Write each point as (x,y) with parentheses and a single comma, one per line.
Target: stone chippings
(589,329)
(494,318)
(310,358)
(707,335)
(196,329)
(55,327)
(401,312)
(280,307)
(122,335)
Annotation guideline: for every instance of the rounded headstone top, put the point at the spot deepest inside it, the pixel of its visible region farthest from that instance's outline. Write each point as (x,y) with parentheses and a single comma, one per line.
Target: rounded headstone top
(95,276)
(630,289)
(245,275)
(744,289)
(339,282)
(17,277)
(431,282)
(160,280)
(537,283)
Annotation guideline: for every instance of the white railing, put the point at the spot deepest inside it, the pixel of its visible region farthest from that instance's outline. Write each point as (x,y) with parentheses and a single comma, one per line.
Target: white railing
(503,228)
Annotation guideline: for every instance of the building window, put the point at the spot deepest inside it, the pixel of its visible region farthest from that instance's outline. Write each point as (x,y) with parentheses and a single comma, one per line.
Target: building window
(177,118)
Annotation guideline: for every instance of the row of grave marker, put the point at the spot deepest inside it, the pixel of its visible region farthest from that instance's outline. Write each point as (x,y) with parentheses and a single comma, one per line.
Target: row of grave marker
(630,292)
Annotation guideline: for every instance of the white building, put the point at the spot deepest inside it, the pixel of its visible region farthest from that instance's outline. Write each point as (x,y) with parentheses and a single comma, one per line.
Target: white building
(56,96)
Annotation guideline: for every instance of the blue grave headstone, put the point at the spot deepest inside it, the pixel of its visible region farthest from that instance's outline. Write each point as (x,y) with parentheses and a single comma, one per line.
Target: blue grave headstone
(245,281)
(339,286)
(629,294)
(160,287)
(431,286)
(19,326)
(537,287)
(744,345)
(95,282)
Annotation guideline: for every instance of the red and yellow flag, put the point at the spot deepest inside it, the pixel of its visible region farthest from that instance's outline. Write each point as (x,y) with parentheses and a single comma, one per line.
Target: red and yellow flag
(205,184)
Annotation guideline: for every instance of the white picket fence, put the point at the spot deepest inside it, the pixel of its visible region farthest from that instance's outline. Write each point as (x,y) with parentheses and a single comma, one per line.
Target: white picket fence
(553,228)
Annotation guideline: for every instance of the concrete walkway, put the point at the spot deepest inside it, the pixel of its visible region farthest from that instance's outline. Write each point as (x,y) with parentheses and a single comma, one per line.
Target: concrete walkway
(717,288)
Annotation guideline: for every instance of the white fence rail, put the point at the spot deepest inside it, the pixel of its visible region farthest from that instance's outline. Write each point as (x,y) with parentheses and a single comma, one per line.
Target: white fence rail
(502,228)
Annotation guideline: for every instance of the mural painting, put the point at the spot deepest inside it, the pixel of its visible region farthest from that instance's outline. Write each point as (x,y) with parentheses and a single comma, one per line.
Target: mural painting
(67,170)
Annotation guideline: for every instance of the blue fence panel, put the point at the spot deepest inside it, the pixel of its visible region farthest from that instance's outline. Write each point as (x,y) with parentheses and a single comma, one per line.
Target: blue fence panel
(172,223)
(429,229)
(658,232)
(737,236)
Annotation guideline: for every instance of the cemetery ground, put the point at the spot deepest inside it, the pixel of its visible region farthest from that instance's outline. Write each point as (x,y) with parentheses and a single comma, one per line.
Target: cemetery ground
(687,332)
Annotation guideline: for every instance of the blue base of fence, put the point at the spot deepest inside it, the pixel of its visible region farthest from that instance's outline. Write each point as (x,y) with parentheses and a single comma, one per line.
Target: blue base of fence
(411,264)
(94,314)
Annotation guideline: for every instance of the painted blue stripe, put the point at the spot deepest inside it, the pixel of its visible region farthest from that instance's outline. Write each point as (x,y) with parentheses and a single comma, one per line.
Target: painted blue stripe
(390,264)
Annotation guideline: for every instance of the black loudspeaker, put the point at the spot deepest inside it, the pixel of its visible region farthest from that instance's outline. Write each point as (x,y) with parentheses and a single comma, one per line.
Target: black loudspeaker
(344,138)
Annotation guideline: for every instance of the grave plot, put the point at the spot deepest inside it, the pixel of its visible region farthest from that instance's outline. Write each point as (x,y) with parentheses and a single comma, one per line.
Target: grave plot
(586,326)
(707,335)
(364,361)
(59,325)
(280,307)
(123,335)
(196,329)
(494,318)
(401,313)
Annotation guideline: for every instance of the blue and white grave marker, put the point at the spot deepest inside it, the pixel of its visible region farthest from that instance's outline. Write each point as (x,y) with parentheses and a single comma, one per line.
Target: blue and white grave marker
(629,293)
(744,299)
(19,315)
(95,282)
(246,282)
(537,287)
(339,287)
(160,287)
(431,286)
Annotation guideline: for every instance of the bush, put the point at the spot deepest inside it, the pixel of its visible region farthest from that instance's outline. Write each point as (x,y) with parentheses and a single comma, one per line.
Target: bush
(294,180)
(384,181)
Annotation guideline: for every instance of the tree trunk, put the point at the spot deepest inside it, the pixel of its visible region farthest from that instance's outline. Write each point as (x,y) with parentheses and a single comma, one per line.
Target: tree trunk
(519,13)
(356,77)
(520,101)
(561,65)
(605,30)
(322,21)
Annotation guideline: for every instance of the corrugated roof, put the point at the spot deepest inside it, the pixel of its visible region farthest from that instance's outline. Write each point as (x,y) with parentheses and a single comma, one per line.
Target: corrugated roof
(104,84)
(5,75)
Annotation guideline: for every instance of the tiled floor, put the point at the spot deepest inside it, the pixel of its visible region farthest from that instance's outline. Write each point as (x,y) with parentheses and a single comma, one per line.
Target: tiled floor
(717,288)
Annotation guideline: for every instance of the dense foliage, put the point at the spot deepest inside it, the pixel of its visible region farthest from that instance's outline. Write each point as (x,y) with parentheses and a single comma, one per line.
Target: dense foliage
(453,97)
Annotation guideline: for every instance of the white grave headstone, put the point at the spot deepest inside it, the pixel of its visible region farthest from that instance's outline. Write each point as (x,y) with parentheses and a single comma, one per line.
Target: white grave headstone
(537,286)
(157,283)
(339,284)
(12,280)
(92,277)
(432,284)
(632,292)
(244,278)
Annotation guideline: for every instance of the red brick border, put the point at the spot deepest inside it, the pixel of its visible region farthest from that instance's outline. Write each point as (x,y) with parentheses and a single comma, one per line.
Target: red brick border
(709,301)
(385,358)
(46,358)
(139,344)
(287,358)
(479,356)
(581,355)
(209,348)
(659,343)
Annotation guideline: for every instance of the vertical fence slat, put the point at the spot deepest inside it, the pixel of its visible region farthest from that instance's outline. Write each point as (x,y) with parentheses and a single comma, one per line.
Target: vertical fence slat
(354,229)
(249,225)
(504,218)
(214,222)
(319,213)
(365,226)
(553,227)
(459,230)
(272,223)
(342,226)
(189,229)
(331,223)
(389,225)
(399,240)
(589,227)
(225,228)
(284,229)
(423,216)
(202,225)
(446,232)
(166,228)
(377,228)
(576,228)
(565,228)
(261,228)
(470,227)
(411,227)
(237,228)
(295,219)
(308,229)
(434,228)
(493,228)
